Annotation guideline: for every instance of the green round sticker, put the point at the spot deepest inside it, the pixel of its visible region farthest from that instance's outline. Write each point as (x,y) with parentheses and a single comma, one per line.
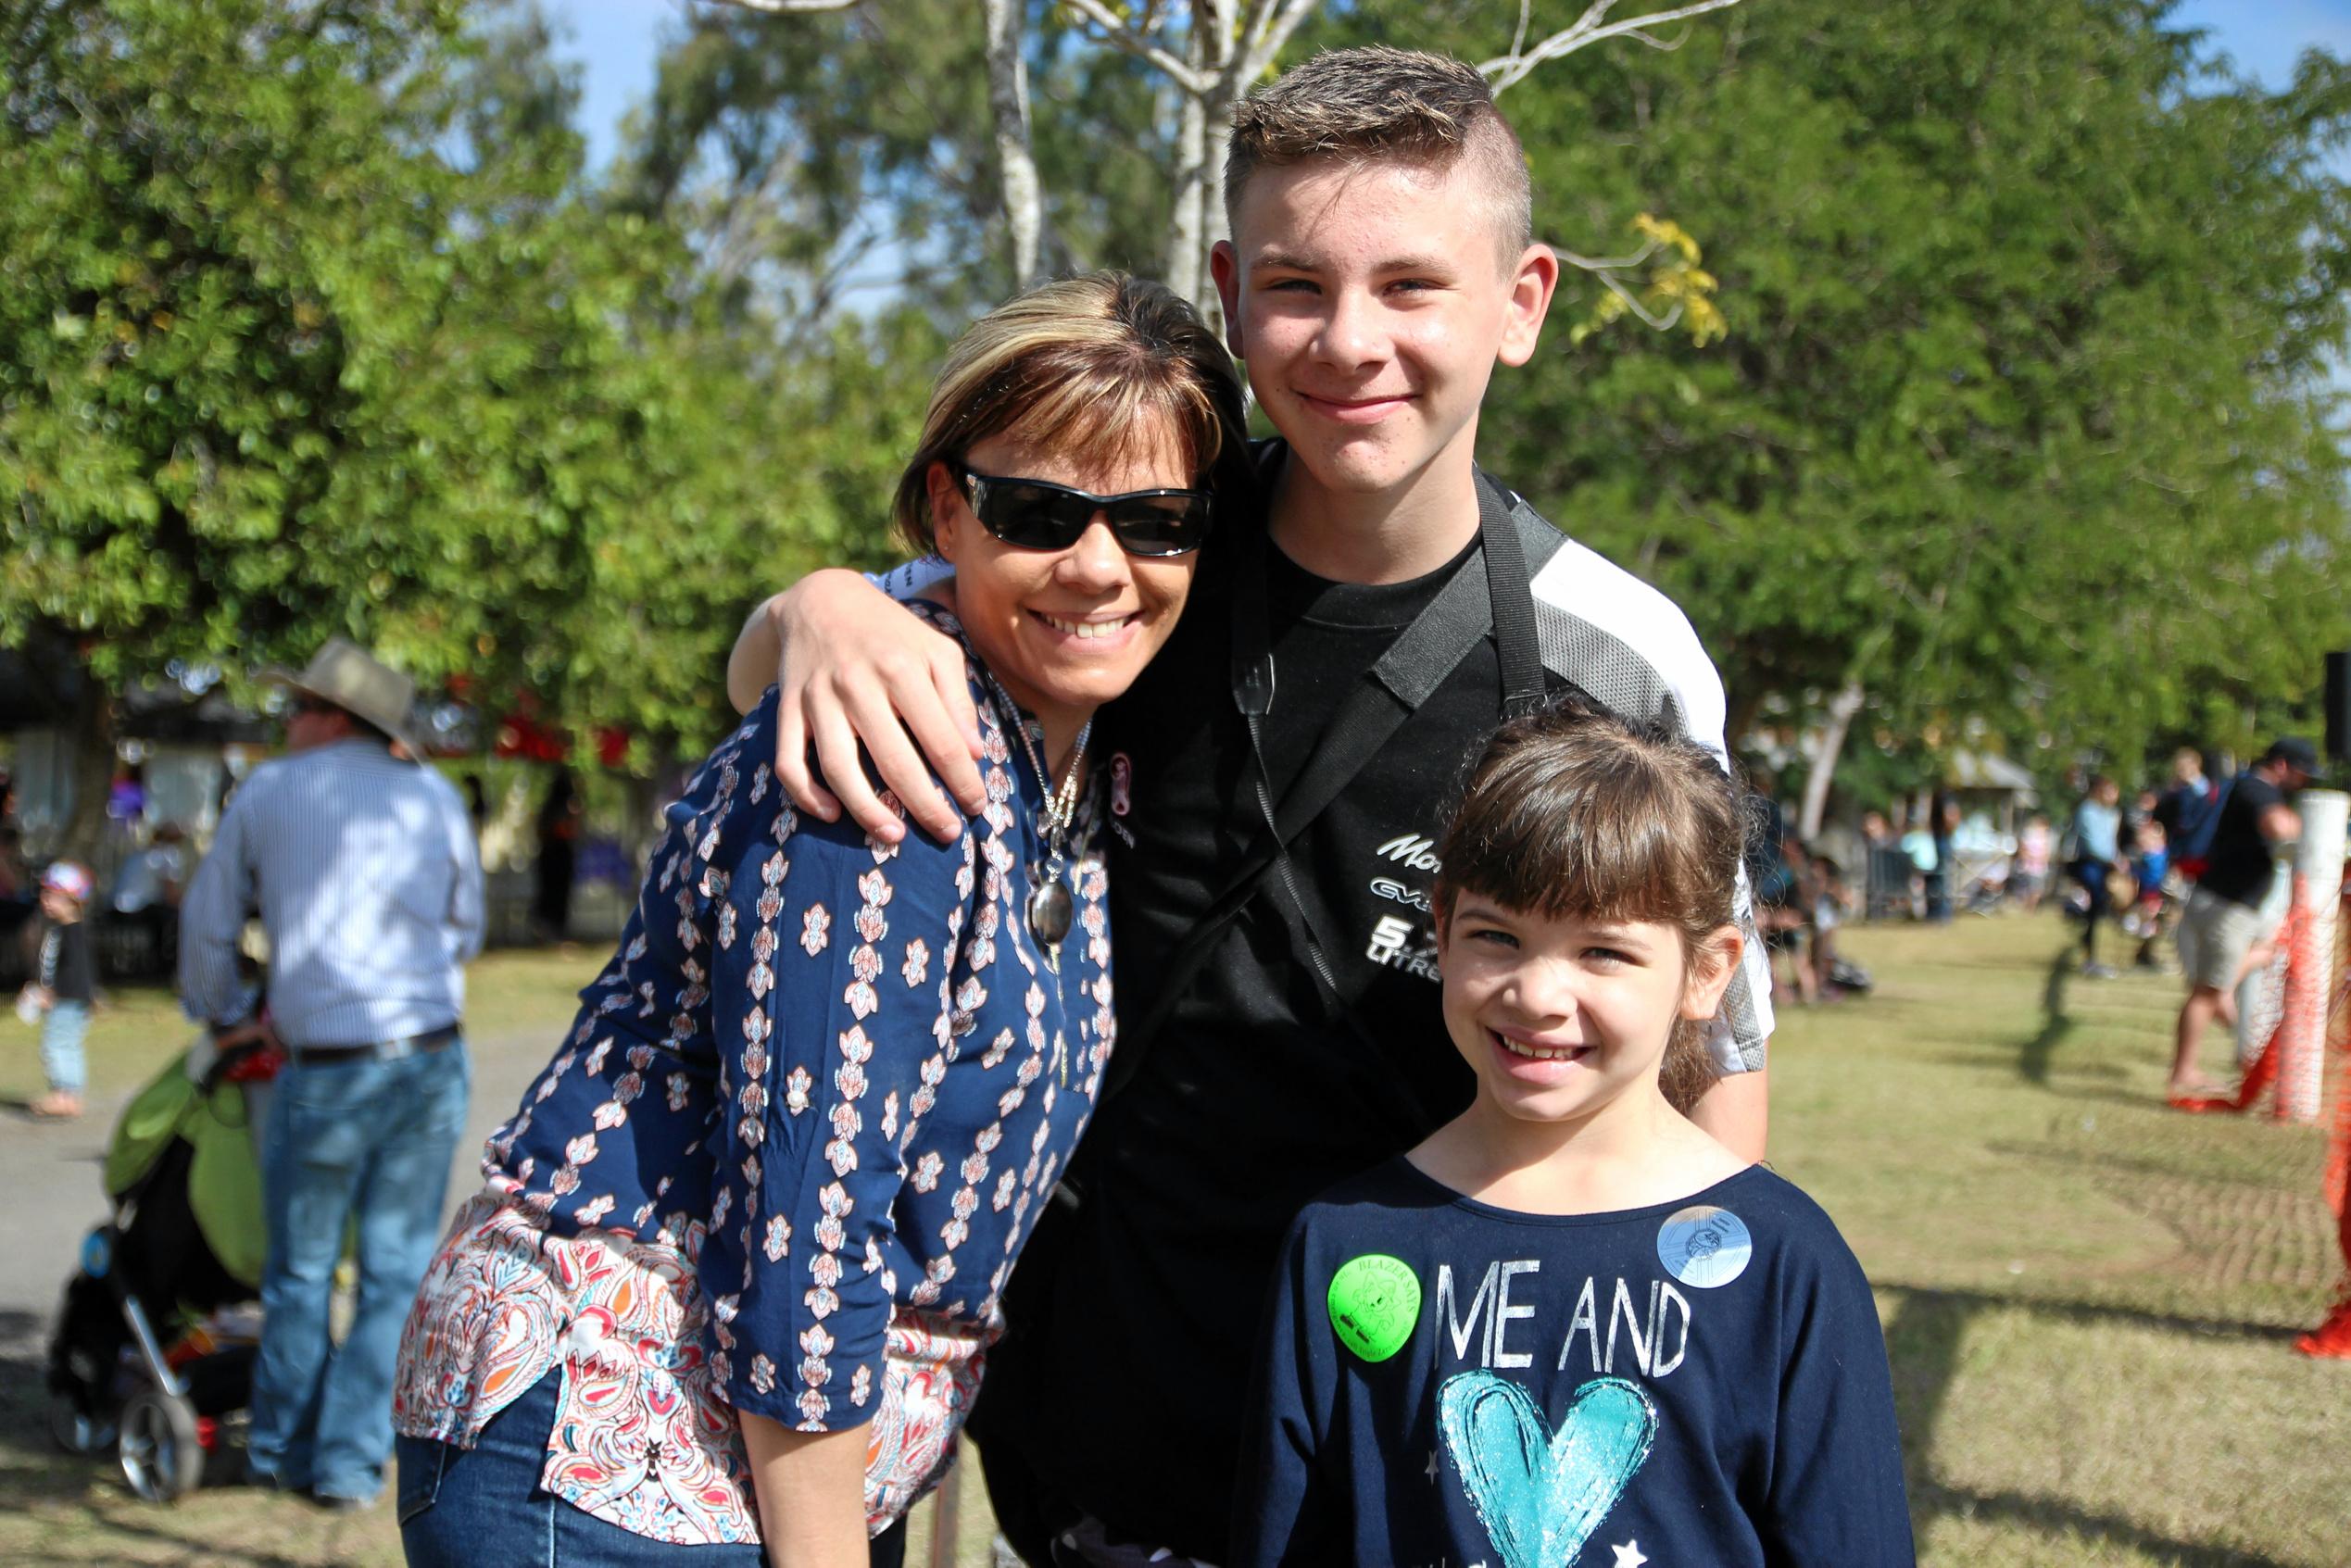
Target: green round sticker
(1375,1300)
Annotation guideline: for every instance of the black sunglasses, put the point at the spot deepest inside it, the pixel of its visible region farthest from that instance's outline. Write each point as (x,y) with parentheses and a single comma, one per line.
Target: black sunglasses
(1030,514)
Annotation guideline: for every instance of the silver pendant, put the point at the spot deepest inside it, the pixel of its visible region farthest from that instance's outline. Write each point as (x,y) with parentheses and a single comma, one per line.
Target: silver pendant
(1048,913)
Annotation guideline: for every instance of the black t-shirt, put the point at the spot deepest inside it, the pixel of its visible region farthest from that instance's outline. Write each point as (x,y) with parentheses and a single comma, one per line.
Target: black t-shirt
(1446,1382)
(1252,1098)
(68,967)
(2238,867)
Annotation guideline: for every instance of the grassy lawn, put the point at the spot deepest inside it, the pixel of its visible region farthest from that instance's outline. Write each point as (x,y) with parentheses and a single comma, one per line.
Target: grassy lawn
(2089,1299)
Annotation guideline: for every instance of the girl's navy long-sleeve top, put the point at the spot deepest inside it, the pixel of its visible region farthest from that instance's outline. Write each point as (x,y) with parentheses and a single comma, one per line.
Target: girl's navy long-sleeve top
(1446,1383)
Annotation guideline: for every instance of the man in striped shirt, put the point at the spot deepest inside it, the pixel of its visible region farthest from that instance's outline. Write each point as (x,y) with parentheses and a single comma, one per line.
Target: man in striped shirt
(361,866)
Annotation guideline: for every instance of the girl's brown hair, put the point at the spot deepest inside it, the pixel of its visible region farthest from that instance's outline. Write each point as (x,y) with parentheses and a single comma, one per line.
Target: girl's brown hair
(1577,811)
(1104,363)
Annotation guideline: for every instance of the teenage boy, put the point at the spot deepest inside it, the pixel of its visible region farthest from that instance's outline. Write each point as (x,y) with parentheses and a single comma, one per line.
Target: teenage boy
(1277,776)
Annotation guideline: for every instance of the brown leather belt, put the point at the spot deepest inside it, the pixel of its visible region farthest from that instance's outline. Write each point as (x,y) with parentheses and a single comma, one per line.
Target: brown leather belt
(379,1050)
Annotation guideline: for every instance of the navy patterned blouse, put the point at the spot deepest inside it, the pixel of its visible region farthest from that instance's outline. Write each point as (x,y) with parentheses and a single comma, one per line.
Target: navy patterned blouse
(839,1073)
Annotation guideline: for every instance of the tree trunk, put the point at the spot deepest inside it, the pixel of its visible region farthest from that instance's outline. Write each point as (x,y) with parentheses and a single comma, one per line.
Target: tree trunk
(1745,702)
(1841,708)
(1187,224)
(90,770)
(1008,98)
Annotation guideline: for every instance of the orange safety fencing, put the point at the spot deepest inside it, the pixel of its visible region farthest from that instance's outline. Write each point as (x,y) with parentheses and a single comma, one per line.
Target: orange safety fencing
(2297,936)
(2332,1338)
(2293,939)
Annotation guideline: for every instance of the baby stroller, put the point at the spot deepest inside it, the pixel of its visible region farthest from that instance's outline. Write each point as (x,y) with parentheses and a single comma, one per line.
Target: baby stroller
(154,1348)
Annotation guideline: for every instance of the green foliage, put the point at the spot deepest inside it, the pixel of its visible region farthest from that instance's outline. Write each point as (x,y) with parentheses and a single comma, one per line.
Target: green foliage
(807,150)
(311,321)
(2020,415)
(308,327)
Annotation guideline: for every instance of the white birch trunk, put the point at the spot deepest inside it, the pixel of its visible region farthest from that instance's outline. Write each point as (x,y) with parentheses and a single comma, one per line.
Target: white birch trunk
(1008,100)
(1841,708)
(1187,222)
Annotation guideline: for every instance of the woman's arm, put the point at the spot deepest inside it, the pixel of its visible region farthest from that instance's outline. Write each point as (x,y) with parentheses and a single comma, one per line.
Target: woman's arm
(812,1493)
(827,971)
(853,668)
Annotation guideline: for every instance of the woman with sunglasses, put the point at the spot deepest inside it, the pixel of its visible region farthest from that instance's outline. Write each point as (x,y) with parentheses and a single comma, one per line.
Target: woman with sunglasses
(739,1256)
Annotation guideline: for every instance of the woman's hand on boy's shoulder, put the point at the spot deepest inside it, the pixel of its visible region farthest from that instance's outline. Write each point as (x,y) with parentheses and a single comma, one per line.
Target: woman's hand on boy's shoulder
(852,668)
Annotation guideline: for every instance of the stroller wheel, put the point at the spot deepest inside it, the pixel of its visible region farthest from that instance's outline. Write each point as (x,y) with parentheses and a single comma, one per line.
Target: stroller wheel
(162,1458)
(76,1430)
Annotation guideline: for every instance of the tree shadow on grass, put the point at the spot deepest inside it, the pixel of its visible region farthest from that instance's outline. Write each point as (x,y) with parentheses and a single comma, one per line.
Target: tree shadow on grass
(2134,1166)
(2032,1062)
(1933,1499)
(1948,1311)
(1925,1339)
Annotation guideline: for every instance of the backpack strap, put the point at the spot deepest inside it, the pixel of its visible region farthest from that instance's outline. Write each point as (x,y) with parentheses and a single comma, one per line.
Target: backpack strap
(1490,593)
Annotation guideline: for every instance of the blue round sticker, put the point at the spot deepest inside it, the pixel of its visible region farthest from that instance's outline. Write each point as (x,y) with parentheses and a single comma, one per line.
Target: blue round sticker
(1704,1246)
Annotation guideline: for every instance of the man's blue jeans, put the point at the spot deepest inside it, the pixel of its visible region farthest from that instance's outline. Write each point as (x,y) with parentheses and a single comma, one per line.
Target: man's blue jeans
(353,1147)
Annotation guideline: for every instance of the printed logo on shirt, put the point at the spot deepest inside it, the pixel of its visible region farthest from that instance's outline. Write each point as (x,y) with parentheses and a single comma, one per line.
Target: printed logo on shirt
(1391,944)
(1395,892)
(1542,1491)
(1409,849)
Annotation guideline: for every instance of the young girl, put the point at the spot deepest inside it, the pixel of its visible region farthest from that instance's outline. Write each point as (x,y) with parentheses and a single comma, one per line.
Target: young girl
(1570,1328)
(63,989)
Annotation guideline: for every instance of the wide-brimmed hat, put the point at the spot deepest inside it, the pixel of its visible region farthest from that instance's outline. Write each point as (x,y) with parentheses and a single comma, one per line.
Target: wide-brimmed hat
(356,681)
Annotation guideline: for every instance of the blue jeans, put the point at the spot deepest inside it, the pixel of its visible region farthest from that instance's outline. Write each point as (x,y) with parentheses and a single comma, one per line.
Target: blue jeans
(62,1031)
(361,1145)
(459,1507)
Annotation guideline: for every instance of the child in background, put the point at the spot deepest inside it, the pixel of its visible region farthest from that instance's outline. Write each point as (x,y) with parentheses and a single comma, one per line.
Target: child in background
(2033,847)
(65,982)
(1830,900)
(1571,1328)
(2154,911)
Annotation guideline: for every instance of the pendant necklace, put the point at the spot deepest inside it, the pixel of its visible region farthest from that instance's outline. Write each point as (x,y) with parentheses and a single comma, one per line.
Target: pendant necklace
(1049,908)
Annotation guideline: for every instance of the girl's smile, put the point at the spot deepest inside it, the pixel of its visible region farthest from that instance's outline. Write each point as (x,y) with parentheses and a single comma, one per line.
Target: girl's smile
(1558,1017)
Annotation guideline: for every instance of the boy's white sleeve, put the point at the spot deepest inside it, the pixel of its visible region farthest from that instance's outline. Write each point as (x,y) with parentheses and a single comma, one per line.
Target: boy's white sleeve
(910,578)
(1624,644)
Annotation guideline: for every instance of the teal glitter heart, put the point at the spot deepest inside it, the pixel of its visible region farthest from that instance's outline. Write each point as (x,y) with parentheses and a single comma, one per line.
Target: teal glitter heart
(1541,1494)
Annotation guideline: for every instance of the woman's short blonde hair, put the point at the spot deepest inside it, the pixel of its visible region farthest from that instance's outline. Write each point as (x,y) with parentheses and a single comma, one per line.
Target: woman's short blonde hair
(1104,363)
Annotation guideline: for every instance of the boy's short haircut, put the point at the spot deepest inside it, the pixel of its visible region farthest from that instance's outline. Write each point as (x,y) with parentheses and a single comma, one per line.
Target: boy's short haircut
(1377,105)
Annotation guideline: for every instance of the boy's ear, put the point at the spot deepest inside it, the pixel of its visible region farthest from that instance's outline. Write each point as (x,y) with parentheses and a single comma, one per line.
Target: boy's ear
(1224,264)
(1532,283)
(1712,964)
